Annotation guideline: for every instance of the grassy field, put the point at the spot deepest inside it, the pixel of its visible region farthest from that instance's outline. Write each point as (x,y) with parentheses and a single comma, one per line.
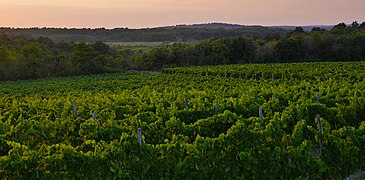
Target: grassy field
(136,46)
(133,44)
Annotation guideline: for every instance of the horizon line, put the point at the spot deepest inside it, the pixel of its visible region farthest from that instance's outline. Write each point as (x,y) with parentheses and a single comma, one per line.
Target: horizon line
(162,26)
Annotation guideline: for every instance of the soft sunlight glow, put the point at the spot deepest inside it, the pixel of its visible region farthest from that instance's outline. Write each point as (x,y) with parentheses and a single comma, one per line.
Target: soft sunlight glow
(152,13)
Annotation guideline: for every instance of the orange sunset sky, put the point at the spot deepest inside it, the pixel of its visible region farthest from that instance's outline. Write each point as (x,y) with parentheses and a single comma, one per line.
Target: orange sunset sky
(153,13)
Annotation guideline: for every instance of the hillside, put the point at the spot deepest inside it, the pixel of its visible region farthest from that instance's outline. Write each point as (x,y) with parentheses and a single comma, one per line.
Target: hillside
(305,28)
(176,33)
(209,26)
(181,33)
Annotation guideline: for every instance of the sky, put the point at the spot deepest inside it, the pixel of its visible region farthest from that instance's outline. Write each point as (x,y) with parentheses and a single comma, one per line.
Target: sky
(154,13)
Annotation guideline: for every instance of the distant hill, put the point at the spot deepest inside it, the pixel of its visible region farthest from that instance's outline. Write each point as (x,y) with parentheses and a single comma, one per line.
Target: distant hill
(181,33)
(238,26)
(306,28)
(208,26)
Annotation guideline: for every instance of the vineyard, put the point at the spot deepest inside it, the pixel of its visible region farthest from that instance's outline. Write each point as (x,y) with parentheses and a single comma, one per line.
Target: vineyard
(273,121)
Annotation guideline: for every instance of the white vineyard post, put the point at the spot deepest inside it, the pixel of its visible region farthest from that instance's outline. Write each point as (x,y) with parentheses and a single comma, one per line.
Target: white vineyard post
(272,97)
(186,102)
(260,114)
(216,107)
(139,132)
(272,77)
(318,98)
(94,115)
(320,131)
(75,110)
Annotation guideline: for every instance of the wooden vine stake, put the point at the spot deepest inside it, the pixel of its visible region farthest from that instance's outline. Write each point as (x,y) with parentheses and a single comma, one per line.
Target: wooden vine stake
(75,110)
(320,131)
(139,132)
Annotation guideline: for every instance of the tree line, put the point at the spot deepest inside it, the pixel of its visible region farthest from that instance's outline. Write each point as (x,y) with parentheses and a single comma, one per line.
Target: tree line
(341,43)
(22,58)
(27,58)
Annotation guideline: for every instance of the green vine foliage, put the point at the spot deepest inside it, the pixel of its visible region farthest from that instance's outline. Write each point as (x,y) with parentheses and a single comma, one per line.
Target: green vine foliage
(216,134)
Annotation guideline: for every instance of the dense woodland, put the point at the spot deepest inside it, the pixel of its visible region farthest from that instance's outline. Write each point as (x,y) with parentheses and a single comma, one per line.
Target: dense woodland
(27,58)
(341,43)
(22,58)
